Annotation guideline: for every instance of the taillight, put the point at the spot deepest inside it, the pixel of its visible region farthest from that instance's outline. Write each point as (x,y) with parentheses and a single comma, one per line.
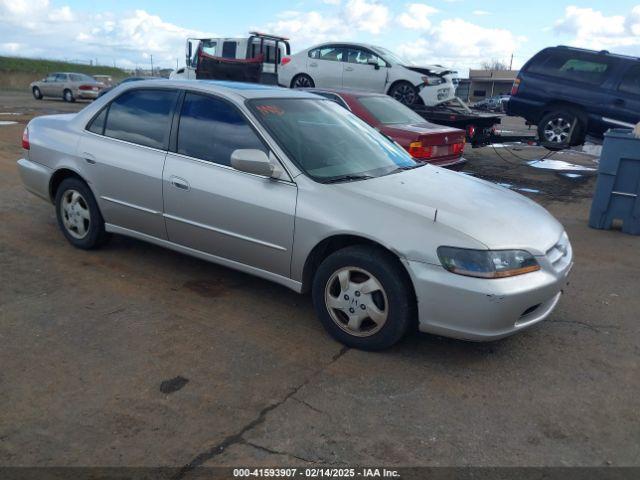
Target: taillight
(457,148)
(87,87)
(25,139)
(471,131)
(515,86)
(285,60)
(417,150)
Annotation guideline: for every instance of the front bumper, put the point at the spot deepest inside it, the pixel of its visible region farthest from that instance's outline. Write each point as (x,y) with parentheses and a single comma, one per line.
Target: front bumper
(480,309)
(436,94)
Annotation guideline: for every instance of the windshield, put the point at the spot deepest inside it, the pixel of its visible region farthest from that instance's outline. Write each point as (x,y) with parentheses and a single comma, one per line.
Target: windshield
(389,111)
(392,57)
(326,141)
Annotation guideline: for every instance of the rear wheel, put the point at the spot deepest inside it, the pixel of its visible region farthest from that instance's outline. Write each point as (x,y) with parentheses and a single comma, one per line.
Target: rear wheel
(37,94)
(67,96)
(78,215)
(363,297)
(302,81)
(561,129)
(404,92)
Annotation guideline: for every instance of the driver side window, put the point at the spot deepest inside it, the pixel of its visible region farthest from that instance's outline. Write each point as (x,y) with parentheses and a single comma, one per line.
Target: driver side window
(363,57)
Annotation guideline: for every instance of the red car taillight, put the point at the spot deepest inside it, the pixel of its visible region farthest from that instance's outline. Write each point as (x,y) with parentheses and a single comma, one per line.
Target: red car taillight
(417,150)
(285,60)
(25,139)
(88,87)
(457,148)
(516,85)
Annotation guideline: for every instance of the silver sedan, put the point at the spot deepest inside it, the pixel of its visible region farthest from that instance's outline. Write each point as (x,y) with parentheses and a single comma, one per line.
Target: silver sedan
(291,187)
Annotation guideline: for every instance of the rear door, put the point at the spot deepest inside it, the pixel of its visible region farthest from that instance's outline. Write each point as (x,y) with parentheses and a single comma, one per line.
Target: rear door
(364,70)
(58,86)
(624,104)
(211,207)
(325,66)
(125,147)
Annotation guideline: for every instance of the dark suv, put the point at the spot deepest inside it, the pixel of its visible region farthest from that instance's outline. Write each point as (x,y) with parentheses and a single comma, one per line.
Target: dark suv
(571,92)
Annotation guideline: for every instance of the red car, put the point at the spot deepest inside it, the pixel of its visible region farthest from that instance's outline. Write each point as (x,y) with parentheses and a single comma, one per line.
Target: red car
(426,142)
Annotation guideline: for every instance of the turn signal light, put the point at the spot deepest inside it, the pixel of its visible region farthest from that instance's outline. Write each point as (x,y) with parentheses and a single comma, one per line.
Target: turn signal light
(417,150)
(457,148)
(285,60)
(25,139)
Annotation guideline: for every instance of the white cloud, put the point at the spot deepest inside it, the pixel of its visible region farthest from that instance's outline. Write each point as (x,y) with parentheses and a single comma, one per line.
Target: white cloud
(36,28)
(417,16)
(481,12)
(307,28)
(444,44)
(592,29)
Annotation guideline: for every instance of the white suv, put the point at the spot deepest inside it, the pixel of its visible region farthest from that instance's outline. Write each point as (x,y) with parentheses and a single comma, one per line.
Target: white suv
(367,67)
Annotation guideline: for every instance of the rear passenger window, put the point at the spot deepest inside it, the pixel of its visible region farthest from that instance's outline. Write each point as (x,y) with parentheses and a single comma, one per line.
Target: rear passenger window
(229,50)
(211,129)
(590,69)
(142,117)
(631,81)
(97,124)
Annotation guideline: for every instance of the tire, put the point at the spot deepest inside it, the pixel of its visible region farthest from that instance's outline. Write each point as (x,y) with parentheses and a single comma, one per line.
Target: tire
(67,96)
(37,94)
(302,80)
(404,92)
(554,129)
(75,206)
(376,286)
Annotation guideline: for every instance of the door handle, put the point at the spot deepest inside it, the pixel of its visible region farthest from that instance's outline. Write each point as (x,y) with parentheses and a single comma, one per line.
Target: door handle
(179,183)
(90,159)
(348,69)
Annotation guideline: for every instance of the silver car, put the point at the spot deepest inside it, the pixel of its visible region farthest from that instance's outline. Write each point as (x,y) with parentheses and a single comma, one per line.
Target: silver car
(293,188)
(68,86)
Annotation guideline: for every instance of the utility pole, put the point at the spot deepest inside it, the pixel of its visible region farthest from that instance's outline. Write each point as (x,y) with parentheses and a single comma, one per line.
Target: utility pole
(511,62)
(151,56)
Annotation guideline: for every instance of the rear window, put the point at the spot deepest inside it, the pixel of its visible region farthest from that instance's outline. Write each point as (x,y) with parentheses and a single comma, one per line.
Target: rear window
(584,68)
(78,77)
(389,111)
(142,117)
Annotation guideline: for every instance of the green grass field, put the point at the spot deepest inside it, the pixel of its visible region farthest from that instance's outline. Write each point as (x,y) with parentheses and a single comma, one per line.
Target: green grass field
(40,66)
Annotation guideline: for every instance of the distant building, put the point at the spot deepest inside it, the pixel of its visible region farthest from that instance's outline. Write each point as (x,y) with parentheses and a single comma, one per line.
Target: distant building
(482,84)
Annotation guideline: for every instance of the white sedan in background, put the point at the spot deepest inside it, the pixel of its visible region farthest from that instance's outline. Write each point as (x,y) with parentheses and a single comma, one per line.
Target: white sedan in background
(367,67)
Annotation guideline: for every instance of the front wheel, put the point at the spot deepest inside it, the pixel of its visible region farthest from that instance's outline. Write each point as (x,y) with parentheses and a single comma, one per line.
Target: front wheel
(37,94)
(363,297)
(404,92)
(302,81)
(78,215)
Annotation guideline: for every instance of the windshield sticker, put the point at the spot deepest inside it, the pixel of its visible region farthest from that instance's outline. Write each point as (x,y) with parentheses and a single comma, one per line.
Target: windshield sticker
(270,109)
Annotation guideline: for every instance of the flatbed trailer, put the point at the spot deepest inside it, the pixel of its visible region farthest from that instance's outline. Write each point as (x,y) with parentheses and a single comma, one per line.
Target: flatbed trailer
(480,127)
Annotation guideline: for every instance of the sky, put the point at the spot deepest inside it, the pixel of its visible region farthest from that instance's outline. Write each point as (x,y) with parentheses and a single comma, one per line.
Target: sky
(459,34)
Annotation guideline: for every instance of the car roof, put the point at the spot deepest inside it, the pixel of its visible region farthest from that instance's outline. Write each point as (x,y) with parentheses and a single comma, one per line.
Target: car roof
(237,89)
(601,52)
(355,44)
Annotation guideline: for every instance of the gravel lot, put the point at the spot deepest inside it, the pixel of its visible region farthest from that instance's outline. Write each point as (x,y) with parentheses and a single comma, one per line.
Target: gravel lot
(135,355)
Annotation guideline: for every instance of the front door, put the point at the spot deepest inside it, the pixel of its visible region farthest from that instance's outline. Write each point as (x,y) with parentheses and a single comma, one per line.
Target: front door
(624,104)
(364,70)
(125,156)
(211,207)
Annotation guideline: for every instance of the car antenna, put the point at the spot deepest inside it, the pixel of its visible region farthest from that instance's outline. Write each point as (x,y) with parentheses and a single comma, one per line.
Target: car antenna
(435,216)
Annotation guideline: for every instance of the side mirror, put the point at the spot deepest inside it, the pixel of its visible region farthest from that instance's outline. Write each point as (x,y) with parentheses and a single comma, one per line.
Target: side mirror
(256,162)
(374,64)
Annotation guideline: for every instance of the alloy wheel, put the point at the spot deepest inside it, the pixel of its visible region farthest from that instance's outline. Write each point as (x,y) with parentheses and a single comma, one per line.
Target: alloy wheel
(557,130)
(302,82)
(75,214)
(356,301)
(405,94)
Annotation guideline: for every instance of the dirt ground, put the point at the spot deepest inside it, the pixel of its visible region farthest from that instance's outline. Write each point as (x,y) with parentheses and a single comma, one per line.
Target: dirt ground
(135,355)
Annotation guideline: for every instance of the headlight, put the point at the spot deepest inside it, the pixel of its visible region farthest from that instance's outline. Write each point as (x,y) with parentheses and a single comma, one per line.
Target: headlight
(432,80)
(487,263)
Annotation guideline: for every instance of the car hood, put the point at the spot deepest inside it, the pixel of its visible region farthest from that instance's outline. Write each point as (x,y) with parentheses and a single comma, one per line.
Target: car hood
(430,69)
(492,215)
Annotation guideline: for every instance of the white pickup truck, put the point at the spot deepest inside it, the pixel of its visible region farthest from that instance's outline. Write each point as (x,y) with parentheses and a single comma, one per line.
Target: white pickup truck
(255,58)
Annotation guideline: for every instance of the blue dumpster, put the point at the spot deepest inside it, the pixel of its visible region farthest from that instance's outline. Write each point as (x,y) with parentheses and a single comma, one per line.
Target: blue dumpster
(617,195)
